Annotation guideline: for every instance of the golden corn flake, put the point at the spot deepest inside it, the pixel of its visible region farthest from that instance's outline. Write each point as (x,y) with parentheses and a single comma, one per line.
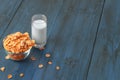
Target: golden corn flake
(33,58)
(49,62)
(21,74)
(7,57)
(40,65)
(2,69)
(47,55)
(57,67)
(9,76)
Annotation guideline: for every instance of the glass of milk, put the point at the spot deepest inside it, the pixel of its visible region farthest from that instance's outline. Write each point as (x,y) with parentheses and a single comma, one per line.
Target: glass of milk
(39,30)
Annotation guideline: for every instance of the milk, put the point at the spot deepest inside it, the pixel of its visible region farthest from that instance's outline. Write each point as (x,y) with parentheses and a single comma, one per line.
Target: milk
(39,32)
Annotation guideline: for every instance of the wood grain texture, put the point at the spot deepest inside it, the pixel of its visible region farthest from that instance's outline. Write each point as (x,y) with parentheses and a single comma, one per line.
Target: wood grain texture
(72,26)
(106,58)
(7,11)
(73,41)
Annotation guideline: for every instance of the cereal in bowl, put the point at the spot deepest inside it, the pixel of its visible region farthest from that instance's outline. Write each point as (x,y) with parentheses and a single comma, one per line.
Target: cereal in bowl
(18,42)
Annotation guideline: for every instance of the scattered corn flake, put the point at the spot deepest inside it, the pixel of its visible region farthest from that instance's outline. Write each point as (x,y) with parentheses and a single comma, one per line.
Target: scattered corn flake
(40,65)
(7,57)
(2,69)
(42,48)
(35,45)
(47,55)
(49,62)
(33,58)
(21,74)
(57,68)
(9,76)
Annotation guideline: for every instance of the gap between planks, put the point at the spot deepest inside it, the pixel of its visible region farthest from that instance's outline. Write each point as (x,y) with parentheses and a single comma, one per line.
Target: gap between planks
(95,39)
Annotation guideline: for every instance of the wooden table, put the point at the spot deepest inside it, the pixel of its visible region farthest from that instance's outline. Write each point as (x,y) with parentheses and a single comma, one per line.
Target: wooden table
(83,39)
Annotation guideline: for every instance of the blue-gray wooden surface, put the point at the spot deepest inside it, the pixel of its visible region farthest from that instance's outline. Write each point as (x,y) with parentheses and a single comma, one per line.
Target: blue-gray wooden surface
(83,39)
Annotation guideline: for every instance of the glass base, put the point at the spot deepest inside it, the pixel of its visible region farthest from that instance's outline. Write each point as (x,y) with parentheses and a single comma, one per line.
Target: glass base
(39,45)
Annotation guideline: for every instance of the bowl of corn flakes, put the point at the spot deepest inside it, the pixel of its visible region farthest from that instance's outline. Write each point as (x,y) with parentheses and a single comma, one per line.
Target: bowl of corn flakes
(18,45)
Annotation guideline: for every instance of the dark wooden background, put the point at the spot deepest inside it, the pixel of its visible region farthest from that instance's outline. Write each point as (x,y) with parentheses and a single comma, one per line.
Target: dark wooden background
(83,39)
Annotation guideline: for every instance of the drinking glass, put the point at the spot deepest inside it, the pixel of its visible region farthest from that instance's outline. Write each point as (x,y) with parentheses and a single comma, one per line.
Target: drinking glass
(39,30)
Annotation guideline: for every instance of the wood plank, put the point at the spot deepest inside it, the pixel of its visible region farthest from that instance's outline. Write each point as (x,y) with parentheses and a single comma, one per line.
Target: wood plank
(105,63)
(7,11)
(72,25)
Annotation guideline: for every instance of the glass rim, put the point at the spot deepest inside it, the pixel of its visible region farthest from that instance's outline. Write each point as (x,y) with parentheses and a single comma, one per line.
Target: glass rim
(38,16)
